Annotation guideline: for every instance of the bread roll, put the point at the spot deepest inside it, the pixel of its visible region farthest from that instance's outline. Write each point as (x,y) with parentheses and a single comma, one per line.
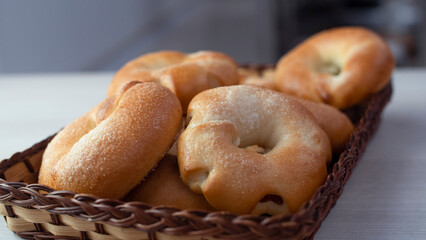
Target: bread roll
(165,187)
(110,149)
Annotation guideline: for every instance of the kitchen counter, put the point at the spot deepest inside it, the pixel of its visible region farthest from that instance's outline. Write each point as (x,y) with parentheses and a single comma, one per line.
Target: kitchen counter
(385,198)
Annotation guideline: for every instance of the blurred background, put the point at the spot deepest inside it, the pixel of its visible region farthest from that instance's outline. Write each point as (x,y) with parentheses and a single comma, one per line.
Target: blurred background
(81,35)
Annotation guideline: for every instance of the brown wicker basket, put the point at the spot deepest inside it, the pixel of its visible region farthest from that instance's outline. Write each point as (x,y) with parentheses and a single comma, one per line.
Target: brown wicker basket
(35,211)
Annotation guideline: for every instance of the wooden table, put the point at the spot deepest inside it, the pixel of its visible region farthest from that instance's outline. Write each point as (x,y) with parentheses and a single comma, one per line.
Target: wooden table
(385,197)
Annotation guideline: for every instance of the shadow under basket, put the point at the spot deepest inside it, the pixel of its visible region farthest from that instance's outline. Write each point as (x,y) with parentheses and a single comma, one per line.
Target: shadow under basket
(35,211)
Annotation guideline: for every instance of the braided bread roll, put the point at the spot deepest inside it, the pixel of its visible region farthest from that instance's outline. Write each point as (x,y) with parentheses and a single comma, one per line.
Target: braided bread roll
(111,148)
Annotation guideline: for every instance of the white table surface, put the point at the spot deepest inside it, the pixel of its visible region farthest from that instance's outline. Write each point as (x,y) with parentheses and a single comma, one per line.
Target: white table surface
(385,198)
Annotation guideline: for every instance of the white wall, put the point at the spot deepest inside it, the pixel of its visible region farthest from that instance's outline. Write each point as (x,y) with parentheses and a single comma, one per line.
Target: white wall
(81,35)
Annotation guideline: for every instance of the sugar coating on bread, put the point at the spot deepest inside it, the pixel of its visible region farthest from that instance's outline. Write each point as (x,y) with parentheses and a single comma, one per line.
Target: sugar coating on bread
(215,156)
(111,148)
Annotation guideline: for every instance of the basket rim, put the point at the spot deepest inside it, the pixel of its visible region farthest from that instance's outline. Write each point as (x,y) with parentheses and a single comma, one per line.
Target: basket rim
(173,221)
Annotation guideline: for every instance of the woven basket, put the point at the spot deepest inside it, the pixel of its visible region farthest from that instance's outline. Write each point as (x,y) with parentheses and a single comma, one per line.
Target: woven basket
(35,211)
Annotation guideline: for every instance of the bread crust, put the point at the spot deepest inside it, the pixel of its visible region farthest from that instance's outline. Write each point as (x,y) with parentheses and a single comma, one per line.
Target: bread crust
(335,124)
(185,75)
(165,187)
(265,78)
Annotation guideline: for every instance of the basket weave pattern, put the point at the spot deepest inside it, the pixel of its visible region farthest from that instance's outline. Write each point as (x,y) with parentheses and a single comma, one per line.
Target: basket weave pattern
(35,211)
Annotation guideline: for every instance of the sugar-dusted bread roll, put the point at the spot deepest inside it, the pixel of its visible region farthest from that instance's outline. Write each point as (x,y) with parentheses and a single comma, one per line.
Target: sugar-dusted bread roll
(110,149)
(252,150)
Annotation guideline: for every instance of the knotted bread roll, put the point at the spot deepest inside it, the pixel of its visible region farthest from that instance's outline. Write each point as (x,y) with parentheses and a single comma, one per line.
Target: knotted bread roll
(111,148)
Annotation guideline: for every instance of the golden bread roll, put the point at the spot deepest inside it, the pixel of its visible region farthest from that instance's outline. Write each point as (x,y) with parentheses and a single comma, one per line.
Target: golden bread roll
(341,67)
(184,74)
(335,124)
(245,145)
(165,187)
(111,148)
(264,78)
